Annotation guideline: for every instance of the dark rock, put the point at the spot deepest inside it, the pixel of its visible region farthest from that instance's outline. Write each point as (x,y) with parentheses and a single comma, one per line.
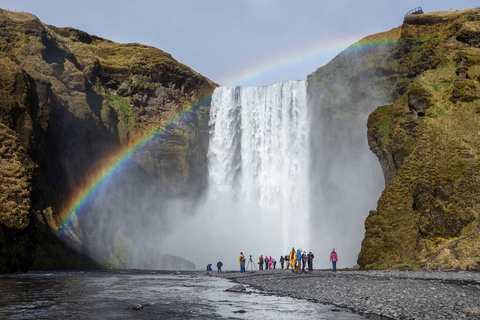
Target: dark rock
(239,311)
(137,307)
(237,288)
(418,101)
(462,72)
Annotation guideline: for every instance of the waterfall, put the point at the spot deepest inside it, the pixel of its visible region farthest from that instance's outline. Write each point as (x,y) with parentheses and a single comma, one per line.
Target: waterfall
(259,155)
(281,175)
(258,197)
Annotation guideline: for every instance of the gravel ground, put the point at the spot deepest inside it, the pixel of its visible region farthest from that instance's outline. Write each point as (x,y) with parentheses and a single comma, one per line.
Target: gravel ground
(391,294)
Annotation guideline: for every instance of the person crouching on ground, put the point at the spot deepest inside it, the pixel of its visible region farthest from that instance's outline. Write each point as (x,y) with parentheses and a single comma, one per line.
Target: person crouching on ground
(241,261)
(334,259)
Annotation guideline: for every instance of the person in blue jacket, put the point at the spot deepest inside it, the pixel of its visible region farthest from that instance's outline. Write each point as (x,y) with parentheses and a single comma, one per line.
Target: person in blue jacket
(299,260)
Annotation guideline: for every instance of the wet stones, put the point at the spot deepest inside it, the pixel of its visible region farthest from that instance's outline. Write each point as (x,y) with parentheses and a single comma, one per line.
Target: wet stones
(392,294)
(237,288)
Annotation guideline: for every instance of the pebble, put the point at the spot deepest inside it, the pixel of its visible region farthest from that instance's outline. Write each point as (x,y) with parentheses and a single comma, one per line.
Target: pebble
(391,294)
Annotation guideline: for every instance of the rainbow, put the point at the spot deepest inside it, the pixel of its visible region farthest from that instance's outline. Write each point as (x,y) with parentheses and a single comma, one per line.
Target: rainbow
(118,161)
(289,60)
(317,51)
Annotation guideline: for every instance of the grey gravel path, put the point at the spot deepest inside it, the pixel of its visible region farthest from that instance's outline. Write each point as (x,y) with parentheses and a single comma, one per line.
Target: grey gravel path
(391,294)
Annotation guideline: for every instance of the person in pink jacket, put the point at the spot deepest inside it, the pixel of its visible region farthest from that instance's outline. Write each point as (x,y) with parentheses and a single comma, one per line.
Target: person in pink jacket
(334,259)
(273,262)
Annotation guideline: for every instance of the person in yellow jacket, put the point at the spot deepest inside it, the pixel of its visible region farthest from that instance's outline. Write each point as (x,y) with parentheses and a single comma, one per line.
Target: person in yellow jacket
(241,261)
(293,258)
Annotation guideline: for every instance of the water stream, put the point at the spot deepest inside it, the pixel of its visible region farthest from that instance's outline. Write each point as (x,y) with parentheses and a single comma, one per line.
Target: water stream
(134,294)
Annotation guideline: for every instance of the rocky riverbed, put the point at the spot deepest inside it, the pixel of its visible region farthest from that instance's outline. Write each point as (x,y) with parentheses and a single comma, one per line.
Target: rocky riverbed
(390,294)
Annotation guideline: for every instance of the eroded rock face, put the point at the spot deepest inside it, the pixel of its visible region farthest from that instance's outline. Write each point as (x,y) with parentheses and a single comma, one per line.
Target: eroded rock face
(426,142)
(418,104)
(462,72)
(73,99)
(436,220)
(17,233)
(469,35)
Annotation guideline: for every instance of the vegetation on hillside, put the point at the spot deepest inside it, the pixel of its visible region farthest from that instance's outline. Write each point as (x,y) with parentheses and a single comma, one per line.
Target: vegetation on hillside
(429,146)
(68,101)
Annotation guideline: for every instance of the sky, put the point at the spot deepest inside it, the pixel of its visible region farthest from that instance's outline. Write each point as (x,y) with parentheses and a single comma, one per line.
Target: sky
(236,42)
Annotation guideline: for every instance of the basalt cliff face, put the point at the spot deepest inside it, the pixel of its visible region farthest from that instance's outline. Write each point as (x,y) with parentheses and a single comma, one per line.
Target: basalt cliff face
(428,144)
(68,100)
(425,76)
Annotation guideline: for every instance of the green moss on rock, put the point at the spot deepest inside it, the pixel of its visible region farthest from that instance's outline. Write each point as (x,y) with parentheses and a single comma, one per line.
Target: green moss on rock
(71,100)
(427,215)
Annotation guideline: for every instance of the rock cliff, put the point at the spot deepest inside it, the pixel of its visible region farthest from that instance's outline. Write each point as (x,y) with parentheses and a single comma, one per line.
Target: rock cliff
(424,76)
(67,101)
(428,142)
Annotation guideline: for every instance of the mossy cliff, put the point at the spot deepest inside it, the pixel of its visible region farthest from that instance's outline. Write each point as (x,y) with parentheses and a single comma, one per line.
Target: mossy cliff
(428,144)
(69,99)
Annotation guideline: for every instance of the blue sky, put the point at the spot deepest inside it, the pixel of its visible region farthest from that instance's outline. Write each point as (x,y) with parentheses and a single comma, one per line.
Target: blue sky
(229,41)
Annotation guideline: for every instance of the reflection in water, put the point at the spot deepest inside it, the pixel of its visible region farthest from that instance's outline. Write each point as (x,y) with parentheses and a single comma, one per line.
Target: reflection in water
(137,294)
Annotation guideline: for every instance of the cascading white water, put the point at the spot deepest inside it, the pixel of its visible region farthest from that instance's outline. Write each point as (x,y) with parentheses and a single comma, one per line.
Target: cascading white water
(258,197)
(259,154)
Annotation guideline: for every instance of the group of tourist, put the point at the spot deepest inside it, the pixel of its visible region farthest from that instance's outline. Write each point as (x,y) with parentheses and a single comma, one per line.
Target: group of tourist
(297,260)
(270,263)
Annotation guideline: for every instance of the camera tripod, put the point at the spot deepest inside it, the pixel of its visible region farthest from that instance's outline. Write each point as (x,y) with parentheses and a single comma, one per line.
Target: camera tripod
(251,264)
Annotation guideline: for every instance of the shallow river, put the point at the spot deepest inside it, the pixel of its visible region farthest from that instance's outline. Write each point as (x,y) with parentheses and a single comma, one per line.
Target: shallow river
(136,294)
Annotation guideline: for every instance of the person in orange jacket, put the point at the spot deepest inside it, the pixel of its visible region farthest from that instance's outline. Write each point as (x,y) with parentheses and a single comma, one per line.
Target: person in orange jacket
(293,258)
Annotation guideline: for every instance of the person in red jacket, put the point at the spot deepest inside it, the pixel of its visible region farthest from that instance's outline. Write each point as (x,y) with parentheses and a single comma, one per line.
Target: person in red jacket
(334,259)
